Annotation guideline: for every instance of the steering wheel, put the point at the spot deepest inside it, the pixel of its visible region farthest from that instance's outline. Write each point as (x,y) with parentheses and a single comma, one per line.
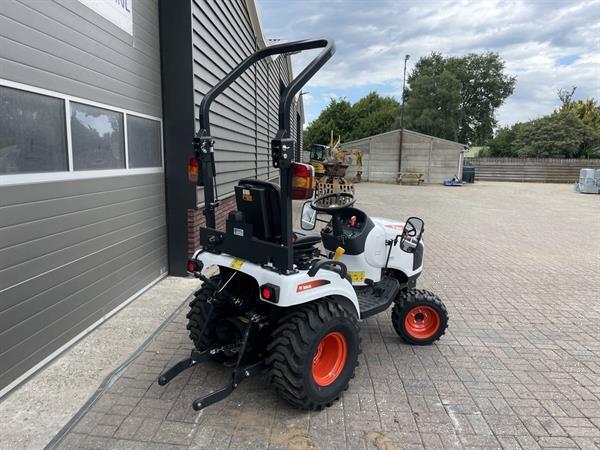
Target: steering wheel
(335,207)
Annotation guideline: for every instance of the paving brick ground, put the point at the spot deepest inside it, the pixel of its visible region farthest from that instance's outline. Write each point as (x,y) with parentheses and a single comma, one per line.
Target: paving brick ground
(518,266)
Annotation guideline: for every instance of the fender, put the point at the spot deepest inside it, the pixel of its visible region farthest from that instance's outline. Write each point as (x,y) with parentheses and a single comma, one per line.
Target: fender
(294,289)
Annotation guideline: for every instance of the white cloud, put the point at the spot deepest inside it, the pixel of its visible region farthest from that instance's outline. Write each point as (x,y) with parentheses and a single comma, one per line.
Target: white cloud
(372,38)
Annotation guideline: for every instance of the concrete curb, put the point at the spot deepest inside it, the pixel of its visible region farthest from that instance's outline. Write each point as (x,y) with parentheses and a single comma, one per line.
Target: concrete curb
(112,377)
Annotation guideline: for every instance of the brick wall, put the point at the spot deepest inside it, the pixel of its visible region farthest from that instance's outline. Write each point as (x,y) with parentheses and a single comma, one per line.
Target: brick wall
(196,219)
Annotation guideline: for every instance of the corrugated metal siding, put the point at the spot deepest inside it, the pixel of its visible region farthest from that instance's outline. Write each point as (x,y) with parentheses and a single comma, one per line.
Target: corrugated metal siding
(263,119)
(70,251)
(244,116)
(66,47)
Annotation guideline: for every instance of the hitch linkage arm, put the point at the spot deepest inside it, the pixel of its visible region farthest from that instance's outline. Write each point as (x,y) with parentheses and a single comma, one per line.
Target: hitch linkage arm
(240,373)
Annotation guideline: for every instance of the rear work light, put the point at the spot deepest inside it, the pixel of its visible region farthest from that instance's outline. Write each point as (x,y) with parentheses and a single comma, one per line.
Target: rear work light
(303,181)
(269,292)
(193,170)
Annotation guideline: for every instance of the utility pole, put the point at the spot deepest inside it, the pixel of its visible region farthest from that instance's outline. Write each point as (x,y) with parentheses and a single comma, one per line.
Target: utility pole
(402,121)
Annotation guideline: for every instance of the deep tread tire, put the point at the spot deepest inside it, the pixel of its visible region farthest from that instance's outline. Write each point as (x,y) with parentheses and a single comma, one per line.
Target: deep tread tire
(292,348)
(408,300)
(197,315)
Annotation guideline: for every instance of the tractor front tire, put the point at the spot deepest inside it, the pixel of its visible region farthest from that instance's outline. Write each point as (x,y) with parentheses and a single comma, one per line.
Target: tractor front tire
(313,354)
(199,310)
(419,317)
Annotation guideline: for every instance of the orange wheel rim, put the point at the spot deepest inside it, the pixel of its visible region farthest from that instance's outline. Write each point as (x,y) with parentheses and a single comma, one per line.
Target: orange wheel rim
(422,322)
(330,358)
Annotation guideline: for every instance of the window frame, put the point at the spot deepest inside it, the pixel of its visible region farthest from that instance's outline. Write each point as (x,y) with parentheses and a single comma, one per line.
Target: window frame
(71,174)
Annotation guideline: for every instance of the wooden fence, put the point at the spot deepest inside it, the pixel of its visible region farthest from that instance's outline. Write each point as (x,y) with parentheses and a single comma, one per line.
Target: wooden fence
(539,170)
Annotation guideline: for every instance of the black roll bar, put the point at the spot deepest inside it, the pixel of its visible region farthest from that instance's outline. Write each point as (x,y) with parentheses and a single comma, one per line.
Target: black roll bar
(288,94)
(282,146)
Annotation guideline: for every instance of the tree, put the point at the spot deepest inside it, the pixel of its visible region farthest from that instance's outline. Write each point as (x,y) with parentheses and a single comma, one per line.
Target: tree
(337,116)
(483,88)
(586,110)
(559,135)
(372,114)
(572,131)
(433,106)
(503,144)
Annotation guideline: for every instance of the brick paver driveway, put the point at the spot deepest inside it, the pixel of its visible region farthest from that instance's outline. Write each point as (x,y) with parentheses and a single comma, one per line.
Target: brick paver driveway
(518,266)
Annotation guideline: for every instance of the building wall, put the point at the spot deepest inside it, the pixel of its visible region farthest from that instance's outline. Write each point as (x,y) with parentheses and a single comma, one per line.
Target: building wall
(436,158)
(244,117)
(66,47)
(70,246)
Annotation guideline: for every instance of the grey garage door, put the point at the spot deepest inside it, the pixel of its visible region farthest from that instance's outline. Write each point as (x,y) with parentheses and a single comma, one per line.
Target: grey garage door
(82,196)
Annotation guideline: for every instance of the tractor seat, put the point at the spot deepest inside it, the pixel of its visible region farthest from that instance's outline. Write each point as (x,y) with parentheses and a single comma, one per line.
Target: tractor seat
(262,211)
(302,238)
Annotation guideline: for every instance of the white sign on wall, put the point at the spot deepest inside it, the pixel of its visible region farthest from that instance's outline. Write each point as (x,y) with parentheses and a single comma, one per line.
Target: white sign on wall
(118,12)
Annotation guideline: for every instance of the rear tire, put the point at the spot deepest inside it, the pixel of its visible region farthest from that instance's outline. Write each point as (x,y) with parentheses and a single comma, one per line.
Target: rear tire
(313,354)
(419,317)
(199,309)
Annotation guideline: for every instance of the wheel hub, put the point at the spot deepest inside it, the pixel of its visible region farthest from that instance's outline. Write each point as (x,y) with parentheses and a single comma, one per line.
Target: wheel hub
(330,358)
(422,322)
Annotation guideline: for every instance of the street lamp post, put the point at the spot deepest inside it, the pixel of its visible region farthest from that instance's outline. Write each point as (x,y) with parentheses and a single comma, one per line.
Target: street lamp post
(402,121)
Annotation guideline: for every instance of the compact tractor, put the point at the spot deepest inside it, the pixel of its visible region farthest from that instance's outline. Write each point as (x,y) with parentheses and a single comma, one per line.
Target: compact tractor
(289,302)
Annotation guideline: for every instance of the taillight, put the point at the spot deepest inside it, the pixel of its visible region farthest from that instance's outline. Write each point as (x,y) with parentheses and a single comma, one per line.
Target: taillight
(193,170)
(303,181)
(270,293)
(192,266)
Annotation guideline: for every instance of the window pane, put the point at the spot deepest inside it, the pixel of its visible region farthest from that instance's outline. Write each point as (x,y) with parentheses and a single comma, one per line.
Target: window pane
(32,133)
(143,142)
(97,138)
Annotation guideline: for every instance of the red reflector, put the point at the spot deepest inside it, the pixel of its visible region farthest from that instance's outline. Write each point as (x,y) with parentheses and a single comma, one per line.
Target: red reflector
(302,170)
(266,293)
(191,266)
(193,170)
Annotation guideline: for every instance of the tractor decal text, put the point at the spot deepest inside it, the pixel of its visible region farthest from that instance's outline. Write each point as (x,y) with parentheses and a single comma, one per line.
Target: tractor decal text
(395,226)
(311,285)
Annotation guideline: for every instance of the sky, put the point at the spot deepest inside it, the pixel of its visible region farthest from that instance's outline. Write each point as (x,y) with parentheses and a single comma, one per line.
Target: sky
(547,45)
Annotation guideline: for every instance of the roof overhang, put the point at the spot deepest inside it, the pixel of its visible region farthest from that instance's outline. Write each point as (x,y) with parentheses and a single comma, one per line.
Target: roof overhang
(261,42)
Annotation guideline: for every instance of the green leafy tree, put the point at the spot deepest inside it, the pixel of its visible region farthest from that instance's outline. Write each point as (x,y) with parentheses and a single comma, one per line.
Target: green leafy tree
(559,135)
(433,105)
(586,110)
(503,144)
(484,86)
(372,114)
(572,131)
(337,116)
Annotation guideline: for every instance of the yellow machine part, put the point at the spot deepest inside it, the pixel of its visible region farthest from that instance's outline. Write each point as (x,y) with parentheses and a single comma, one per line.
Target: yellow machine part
(319,167)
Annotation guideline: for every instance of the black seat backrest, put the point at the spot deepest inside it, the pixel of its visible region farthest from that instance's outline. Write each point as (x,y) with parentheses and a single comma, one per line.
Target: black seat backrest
(260,203)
